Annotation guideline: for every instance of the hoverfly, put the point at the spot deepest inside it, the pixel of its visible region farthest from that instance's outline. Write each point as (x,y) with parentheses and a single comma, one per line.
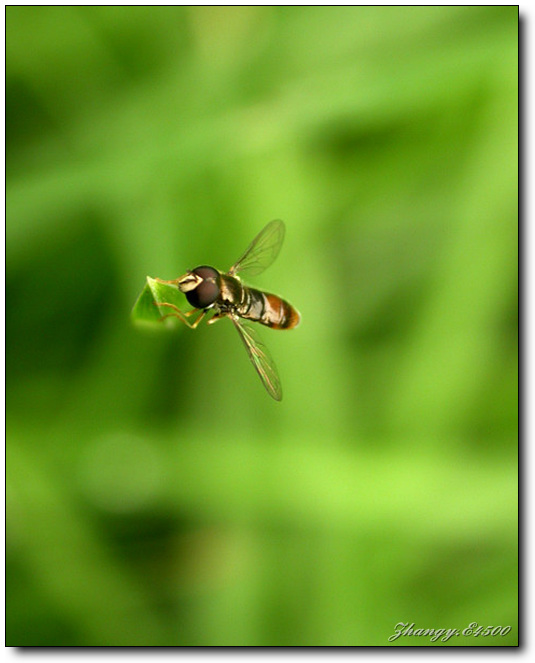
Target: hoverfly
(208,289)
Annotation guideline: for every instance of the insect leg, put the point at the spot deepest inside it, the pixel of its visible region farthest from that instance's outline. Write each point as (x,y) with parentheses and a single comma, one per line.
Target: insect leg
(180,315)
(173,282)
(216,317)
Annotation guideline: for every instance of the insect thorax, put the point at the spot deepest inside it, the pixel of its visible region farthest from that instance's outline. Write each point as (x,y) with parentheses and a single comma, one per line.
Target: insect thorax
(232,293)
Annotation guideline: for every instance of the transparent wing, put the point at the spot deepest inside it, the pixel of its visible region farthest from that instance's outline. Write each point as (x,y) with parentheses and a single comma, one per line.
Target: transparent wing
(259,355)
(262,251)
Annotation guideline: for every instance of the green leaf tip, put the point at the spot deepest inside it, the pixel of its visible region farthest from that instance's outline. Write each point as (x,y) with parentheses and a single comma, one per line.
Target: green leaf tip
(145,312)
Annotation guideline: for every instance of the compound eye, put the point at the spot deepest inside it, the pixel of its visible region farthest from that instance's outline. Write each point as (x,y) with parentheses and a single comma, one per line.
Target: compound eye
(205,294)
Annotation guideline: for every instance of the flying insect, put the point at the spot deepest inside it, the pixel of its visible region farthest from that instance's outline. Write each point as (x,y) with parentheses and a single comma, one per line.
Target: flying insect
(209,290)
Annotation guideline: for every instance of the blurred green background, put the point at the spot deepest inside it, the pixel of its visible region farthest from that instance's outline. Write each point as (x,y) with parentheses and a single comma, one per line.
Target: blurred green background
(156,495)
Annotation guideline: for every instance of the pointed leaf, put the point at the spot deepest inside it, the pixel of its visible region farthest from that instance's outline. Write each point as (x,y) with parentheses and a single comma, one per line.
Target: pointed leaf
(145,310)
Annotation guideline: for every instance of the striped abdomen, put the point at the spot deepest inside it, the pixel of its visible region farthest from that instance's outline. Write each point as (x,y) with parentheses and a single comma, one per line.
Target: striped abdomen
(269,310)
(253,304)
